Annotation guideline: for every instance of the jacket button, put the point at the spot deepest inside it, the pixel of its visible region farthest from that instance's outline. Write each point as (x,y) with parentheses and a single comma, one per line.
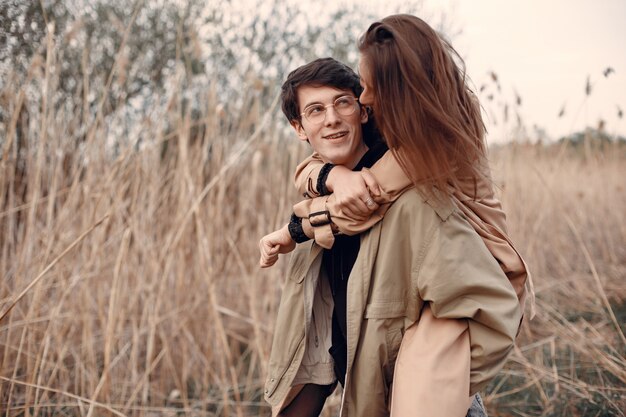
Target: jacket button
(272,380)
(266,391)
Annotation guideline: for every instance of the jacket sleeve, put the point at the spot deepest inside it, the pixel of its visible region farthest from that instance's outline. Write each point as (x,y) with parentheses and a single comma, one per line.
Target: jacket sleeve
(306,175)
(387,172)
(438,351)
(462,280)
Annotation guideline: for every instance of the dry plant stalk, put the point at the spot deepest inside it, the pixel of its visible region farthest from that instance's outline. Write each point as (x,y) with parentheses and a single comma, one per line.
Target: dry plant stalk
(161,309)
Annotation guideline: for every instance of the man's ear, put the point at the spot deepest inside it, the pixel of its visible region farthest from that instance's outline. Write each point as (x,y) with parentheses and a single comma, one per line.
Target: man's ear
(297,126)
(364,116)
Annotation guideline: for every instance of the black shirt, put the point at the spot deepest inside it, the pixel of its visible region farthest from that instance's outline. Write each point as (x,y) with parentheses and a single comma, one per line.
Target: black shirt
(338,262)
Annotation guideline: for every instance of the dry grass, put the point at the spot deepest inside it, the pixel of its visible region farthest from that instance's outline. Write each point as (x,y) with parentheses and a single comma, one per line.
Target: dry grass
(565,209)
(141,292)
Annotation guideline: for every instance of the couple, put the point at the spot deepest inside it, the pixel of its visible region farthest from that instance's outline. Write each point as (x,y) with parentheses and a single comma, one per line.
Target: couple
(410,294)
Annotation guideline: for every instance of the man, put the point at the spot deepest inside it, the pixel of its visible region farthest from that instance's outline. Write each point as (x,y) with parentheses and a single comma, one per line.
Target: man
(369,290)
(320,101)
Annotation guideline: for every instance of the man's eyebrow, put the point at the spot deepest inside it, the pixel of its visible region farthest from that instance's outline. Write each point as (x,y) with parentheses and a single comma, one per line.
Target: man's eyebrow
(335,97)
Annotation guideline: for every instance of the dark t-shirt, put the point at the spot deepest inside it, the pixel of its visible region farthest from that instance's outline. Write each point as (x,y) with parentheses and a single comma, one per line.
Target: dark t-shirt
(338,262)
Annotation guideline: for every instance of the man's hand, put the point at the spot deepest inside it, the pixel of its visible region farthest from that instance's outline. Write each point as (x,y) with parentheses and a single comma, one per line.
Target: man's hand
(354,191)
(271,245)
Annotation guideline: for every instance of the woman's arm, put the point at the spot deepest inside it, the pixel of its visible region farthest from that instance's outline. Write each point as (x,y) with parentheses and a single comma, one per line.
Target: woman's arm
(340,212)
(352,189)
(461,279)
(437,351)
(386,171)
(392,182)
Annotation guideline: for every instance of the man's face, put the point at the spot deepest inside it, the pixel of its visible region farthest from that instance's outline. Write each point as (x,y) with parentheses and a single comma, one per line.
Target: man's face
(338,139)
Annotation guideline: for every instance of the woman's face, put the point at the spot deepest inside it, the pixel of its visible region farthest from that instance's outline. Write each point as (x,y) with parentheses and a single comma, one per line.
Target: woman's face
(367,96)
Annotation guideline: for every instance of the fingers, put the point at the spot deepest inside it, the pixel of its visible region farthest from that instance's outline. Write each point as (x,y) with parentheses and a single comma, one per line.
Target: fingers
(271,245)
(371,204)
(351,192)
(267,262)
(355,203)
(371,183)
(357,207)
(269,253)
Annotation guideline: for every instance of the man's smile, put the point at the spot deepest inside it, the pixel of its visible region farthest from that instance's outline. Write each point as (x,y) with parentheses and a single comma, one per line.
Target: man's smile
(337,135)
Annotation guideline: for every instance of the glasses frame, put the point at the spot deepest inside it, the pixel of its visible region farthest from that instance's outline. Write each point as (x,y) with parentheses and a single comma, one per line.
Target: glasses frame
(354,107)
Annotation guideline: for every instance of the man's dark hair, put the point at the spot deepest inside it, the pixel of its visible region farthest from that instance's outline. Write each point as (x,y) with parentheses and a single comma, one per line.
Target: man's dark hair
(321,72)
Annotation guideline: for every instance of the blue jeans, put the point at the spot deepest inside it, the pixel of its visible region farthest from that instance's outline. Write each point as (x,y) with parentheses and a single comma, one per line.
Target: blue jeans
(477,409)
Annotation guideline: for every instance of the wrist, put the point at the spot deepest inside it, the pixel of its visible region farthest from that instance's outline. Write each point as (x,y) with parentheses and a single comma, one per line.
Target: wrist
(285,231)
(334,176)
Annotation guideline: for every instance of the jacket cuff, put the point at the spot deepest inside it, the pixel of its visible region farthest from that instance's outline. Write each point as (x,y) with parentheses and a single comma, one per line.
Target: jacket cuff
(320,220)
(295,229)
(322,177)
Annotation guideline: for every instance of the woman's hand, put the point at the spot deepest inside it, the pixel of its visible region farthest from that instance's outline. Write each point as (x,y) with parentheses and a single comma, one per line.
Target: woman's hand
(354,191)
(271,245)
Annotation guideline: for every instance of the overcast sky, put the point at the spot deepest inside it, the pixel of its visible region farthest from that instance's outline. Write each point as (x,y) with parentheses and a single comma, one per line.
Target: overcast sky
(542,50)
(545,50)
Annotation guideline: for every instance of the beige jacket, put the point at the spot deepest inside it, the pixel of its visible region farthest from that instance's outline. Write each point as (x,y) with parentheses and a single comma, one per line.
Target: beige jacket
(417,254)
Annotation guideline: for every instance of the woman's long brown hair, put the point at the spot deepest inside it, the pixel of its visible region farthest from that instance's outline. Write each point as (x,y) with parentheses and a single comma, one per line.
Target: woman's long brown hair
(425,110)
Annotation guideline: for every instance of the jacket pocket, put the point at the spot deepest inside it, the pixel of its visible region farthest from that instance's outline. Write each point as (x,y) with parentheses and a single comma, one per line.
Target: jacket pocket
(390,319)
(301,260)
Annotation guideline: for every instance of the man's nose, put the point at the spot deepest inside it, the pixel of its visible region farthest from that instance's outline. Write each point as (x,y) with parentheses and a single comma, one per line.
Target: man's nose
(331,116)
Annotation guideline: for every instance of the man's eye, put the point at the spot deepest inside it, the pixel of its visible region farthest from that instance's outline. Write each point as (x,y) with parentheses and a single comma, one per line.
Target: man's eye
(315,109)
(343,102)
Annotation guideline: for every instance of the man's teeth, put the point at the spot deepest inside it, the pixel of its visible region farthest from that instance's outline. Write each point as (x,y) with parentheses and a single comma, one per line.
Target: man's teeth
(335,136)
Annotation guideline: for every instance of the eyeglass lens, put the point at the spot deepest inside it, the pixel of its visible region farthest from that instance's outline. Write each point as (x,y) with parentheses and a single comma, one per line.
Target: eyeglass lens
(344,105)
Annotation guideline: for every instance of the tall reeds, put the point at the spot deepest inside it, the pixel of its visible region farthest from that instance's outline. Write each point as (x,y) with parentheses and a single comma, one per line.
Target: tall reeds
(131,268)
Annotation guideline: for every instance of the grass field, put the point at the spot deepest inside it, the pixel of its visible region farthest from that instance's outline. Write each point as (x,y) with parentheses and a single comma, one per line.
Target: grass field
(133,269)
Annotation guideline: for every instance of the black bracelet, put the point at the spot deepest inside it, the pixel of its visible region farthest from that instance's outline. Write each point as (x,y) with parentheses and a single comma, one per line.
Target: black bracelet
(322,177)
(296,231)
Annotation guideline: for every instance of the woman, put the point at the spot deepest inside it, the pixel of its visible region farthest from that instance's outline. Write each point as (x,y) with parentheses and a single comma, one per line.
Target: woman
(432,125)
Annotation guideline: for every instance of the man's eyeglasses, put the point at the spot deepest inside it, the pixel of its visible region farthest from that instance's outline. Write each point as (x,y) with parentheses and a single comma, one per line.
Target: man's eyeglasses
(344,106)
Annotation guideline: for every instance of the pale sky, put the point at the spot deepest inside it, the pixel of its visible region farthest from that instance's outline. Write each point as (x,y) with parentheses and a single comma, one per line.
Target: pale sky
(545,50)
